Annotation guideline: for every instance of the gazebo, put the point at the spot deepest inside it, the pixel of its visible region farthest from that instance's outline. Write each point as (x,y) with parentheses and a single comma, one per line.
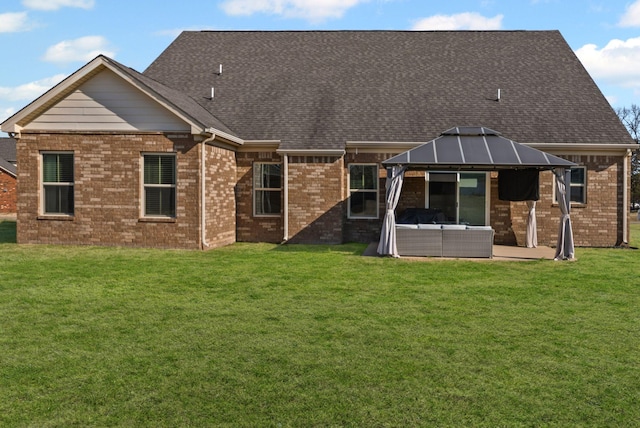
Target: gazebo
(479,149)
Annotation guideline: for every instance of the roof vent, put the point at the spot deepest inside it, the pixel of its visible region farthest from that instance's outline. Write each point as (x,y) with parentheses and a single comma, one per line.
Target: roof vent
(499,95)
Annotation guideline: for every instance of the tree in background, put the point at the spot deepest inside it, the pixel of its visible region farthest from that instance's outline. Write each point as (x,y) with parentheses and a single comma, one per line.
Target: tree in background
(630,117)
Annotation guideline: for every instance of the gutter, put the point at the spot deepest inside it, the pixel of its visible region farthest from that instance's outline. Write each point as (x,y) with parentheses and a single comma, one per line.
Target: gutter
(625,196)
(285,213)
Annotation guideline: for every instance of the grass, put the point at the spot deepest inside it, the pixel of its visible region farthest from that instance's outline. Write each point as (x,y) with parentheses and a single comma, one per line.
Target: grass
(266,335)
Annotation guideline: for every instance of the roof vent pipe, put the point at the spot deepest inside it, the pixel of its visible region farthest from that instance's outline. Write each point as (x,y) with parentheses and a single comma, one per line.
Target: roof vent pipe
(499,95)
(213,93)
(219,73)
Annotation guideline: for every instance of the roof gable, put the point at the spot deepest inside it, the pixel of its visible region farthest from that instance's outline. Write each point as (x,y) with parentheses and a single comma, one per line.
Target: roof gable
(115,92)
(107,103)
(320,89)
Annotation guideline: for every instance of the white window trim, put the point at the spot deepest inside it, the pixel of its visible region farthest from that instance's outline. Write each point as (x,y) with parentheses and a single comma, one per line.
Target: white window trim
(42,182)
(376,191)
(257,189)
(143,186)
(584,185)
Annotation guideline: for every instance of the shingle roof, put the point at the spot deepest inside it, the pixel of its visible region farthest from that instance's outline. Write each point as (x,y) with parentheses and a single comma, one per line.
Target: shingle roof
(8,155)
(319,89)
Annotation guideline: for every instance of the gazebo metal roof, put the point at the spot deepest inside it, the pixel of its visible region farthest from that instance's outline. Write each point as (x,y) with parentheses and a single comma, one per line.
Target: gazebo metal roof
(475,147)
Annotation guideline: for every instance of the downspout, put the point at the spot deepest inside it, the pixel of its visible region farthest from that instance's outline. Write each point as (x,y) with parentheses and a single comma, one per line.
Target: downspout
(625,203)
(285,202)
(203,188)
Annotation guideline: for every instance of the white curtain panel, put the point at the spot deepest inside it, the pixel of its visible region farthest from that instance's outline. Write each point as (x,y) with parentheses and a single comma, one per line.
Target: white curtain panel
(532,226)
(387,244)
(565,248)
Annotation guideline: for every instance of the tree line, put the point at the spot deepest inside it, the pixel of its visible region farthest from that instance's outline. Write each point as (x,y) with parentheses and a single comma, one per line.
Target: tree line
(630,117)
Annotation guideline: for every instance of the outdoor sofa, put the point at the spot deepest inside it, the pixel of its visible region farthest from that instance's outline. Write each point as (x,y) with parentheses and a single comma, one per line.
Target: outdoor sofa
(444,240)
(422,232)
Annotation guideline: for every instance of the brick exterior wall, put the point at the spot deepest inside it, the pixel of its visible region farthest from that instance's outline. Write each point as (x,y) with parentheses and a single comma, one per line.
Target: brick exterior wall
(7,193)
(108,197)
(220,204)
(316,195)
(108,191)
(365,230)
(249,227)
(598,223)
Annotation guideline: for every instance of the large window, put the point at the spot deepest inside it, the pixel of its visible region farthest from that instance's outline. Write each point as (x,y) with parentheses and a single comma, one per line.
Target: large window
(267,189)
(57,183)
(578,186)
(363,191)
(159,185)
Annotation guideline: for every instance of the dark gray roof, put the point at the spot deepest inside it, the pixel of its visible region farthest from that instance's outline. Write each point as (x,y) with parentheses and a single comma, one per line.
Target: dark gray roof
(8,155)
(176,98)
(318,89)
(475,148)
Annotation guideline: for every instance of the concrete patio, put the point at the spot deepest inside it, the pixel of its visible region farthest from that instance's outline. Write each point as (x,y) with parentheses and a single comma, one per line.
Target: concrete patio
(500,253)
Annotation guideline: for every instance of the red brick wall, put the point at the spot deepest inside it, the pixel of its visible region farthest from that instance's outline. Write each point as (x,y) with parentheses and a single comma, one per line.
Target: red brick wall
(7,193)
(108,191)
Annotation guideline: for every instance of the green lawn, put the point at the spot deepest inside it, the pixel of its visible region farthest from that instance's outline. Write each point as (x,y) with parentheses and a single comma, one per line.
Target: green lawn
(266,335)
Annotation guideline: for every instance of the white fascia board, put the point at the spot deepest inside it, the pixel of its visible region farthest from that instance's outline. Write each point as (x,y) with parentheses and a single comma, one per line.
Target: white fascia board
(224,135)
(577,148)
(382,146)
(11,125)
(8,172)
(75,79)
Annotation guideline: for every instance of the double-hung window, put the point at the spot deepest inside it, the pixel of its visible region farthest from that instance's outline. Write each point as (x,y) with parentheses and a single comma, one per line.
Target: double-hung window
(267,189)
(57,183)
(578,186)
(363,191)
(159,185)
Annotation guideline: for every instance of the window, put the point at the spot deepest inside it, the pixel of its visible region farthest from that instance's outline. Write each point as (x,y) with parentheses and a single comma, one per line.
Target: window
(57,183)
(578,186)
(267,184)
(363,191)
(159,185)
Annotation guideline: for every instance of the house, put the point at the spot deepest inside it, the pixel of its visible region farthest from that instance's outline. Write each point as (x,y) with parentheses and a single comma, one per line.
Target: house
(280,137)
(8,176)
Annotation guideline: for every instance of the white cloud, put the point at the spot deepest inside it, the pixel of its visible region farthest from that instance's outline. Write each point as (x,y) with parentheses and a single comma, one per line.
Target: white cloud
(11,22)
(6,113)
(57,4)
(631,17)
(312,10)
(83,49)
(460,21)
(30,91)
(617,63)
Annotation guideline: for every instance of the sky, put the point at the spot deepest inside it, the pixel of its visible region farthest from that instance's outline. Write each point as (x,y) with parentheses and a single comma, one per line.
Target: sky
(43,41)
